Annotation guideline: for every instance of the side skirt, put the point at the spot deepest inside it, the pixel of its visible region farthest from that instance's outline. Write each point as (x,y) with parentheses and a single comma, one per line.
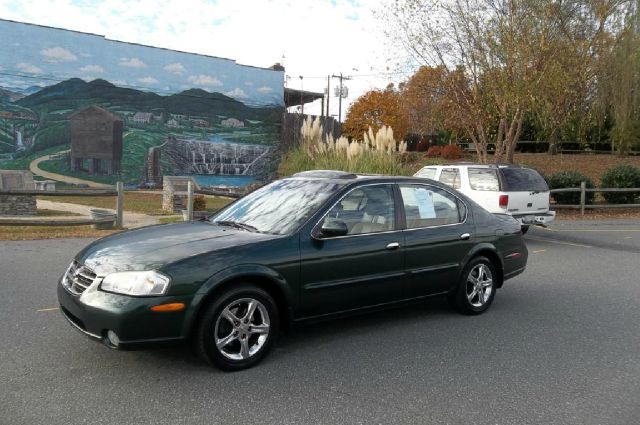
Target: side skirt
(364,310)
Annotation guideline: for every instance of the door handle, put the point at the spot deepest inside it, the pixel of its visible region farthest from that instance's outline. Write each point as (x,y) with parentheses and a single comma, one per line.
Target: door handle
(465,236)
(393,245)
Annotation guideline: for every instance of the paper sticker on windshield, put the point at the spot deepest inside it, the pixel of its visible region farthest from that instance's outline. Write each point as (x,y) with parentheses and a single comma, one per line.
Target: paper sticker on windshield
(424,198)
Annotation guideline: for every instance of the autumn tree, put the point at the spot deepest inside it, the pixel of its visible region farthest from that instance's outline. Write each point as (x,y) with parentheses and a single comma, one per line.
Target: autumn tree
(503,57)
(425,98)
(375,109)
(621,83)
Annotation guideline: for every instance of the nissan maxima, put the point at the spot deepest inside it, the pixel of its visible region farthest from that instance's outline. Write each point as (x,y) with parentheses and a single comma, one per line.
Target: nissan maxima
(314,246)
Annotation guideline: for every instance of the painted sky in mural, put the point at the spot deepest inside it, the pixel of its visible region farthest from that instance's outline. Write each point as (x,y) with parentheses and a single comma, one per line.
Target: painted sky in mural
(104,109)
(44,56)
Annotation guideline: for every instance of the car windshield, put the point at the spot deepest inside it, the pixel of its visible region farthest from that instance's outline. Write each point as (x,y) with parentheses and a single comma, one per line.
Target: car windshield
(278,208)
(523,180)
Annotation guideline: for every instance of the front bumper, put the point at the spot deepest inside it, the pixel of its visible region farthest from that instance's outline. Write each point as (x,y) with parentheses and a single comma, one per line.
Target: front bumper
(95,312)
(536,219)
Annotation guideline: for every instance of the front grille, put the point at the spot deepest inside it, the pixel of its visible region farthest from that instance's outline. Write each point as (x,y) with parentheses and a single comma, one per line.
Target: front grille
(78,278)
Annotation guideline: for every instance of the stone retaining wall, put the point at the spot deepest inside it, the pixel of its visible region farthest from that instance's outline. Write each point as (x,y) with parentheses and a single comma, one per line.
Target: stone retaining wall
(17,205)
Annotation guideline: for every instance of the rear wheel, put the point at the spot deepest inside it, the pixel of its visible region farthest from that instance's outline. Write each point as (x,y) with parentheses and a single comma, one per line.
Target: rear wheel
(477,287)
(238,328)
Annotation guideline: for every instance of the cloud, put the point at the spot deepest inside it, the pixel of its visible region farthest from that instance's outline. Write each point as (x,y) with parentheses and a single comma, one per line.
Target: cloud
(57,55)
(264,89)
(219,21)
(148,81)
(204,80)
(248,83)
(175,68)
(237,93)
(92,68)
(28,68)
(132,63)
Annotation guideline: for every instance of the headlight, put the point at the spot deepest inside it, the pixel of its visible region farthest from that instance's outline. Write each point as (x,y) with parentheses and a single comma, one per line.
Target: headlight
(136,283)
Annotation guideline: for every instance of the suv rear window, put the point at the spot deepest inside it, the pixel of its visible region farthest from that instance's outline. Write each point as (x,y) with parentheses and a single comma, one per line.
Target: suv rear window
(427,173)
(522,180)
(484,179)
(450,177)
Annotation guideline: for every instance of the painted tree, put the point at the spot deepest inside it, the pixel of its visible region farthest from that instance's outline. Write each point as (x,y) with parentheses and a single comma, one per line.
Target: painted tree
(375,109)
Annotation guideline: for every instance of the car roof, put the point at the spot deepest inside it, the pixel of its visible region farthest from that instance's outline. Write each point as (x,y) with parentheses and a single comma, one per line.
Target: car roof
(345,178)
(475,164)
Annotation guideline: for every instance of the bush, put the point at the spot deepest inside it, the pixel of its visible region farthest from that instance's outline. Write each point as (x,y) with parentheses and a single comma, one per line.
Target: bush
(434,152)
(620,176)
(199,203)
(565,179)
(452,152)
(422,146)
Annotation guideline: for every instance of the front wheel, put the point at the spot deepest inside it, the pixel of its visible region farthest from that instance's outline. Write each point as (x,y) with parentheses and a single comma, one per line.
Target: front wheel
(238,328)
(477,287)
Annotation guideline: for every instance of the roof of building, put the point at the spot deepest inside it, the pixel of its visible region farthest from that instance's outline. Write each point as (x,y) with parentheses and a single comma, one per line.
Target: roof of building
(95,110)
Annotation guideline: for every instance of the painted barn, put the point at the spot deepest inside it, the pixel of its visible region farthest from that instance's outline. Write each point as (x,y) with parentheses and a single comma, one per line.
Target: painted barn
(96,141)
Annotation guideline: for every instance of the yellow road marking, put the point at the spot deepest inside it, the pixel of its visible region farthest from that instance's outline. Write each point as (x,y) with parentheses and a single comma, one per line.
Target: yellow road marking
(48,309)
(561,243)
(538,251)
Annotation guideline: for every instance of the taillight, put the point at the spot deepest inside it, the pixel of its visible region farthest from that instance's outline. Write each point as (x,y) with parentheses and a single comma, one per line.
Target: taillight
(503,201)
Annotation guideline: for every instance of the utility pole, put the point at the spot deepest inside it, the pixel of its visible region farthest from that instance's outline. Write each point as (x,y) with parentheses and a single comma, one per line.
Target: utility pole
(301,96)
(341,77)
(328,94)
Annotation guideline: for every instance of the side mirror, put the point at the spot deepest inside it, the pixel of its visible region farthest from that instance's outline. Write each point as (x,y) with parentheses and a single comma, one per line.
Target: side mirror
(332,228)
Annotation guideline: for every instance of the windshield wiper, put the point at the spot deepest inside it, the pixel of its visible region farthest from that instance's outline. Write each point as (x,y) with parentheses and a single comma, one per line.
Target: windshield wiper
(238,225)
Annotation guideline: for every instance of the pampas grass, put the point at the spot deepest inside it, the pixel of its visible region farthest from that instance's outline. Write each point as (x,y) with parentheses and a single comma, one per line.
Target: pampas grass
(376,154)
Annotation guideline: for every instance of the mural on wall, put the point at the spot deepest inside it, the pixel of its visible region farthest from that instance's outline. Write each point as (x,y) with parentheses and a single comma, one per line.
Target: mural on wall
(104,110)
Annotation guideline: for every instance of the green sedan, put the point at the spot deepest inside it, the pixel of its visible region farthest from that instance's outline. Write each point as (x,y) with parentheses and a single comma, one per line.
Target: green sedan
(317,245)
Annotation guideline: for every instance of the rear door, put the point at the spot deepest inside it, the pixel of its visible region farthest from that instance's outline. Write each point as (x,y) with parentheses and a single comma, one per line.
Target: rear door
(437,238)
(527,190)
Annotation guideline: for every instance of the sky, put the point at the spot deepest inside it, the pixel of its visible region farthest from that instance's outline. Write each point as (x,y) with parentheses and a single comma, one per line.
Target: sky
(312,38)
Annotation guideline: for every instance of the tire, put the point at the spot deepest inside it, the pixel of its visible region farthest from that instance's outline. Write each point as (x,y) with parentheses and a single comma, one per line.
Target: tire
(524,229)
(467,299)
(231,337)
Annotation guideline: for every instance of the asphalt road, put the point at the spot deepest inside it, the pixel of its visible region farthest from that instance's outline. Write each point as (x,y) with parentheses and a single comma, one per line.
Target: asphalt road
(560,345)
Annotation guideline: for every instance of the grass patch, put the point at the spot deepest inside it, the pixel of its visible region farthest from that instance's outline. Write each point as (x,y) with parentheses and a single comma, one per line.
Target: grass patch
(48,213)
(171,219)
(24,233)
(139,202)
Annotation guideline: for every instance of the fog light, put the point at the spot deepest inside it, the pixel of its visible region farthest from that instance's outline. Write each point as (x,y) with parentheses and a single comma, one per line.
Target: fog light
(113,338)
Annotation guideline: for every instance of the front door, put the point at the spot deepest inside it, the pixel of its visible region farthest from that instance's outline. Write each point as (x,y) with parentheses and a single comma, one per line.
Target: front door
(363,267)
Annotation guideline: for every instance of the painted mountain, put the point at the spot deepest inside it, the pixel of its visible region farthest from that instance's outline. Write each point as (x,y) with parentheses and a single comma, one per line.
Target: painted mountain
(74,93)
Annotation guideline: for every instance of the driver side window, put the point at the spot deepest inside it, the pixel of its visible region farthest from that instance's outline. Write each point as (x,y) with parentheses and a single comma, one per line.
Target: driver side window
(367,209)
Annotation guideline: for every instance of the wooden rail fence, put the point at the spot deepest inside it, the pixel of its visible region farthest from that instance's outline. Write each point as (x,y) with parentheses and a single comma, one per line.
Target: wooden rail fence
(583,197)
(118,192)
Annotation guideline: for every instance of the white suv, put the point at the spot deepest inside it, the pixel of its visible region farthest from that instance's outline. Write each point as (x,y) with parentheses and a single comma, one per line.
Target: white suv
(500,189)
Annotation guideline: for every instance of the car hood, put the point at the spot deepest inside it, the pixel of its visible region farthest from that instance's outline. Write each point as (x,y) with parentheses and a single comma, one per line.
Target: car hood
(156,246)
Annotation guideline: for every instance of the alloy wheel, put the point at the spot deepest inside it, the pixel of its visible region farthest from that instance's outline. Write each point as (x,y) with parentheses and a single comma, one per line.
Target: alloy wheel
(479,285)
(241,329)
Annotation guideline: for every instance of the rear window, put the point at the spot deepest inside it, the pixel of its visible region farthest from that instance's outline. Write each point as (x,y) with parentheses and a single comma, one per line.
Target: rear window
(450,177)
(522,180)
(427,173)
(484,179)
